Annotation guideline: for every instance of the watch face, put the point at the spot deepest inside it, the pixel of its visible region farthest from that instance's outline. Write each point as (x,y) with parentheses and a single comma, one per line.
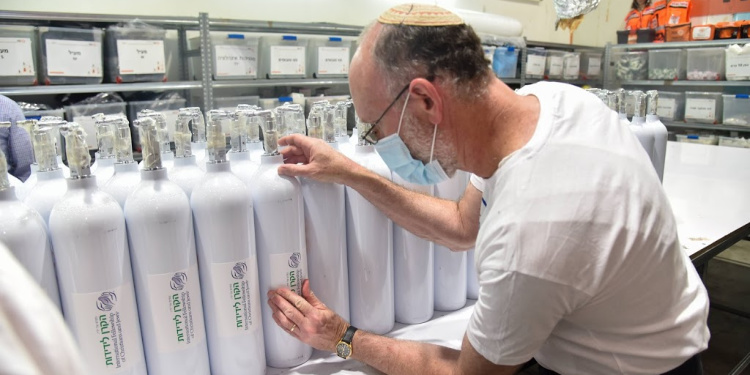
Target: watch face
(343,350)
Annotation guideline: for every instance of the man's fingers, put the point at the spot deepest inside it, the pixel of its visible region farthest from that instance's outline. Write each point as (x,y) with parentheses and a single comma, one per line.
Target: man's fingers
(295,159)
(287,309)
(285,324)
(295,300)
(294,170)
(298,140)
(292,151)
(310,296)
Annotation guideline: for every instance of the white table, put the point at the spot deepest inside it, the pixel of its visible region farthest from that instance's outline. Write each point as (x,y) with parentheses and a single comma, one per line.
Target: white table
(709,190)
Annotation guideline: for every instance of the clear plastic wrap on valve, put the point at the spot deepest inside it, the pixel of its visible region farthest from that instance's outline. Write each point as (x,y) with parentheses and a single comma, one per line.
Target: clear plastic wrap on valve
(162,136)
(12,180)
(30,182)
(186,173)
(126,176)
(50,186)
(105,138)
(250,123)
(241,121)
(198,129)
(290,119)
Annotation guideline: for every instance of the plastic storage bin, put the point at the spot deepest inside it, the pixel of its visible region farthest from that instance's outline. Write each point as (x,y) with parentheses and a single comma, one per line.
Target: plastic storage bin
(70,56)
(536,60)
(330,57)
(571,65)
(169,108)
(666,64)
(671,106)
(284,57)
(734,142)
(19,59)
(36,115)
(591,65)
(736,109)
(235,56)
(630,66)
(489,53)
(705,64)
(82,115)
(703,107)
(505,62)
(699,139)
(135,54)
(553,69)
(738,62)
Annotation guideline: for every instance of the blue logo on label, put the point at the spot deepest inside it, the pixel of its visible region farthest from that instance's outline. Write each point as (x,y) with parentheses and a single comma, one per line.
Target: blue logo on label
(239,270)
(295,260)
(178,281)
(106,301)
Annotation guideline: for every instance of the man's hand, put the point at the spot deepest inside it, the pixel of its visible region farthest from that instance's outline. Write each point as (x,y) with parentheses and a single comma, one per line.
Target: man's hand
(306,318)
(319,160)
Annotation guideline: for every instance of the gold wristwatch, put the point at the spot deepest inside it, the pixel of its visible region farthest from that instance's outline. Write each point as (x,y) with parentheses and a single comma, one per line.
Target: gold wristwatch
(344,347)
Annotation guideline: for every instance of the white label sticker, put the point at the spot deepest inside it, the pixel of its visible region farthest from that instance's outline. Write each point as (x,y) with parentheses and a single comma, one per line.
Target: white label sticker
(287,270)
(666,108)
(595,66)
(489,54)
(333,60)
(738,66)
(89,126)
(16,58)
(555,65)
(106,329)
(236,61)
(177,310)
(141,56)
(535,65)
(237,298)
(72,58)
(572,66)
(287,60)
(702,32)
(700,109)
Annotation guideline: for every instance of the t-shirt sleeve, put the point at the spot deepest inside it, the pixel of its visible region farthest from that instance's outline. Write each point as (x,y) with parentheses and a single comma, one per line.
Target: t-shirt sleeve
(516,313)
(477,181)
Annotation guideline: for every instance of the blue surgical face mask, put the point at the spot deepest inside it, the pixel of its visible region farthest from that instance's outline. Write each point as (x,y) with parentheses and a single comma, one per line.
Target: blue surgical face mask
(398,158)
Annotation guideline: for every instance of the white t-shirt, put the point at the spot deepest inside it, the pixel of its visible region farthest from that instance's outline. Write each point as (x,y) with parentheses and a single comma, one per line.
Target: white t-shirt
(577,254)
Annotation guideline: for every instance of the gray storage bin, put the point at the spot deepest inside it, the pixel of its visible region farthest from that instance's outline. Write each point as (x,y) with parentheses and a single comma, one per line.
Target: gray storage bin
(536,61)
(82,113)
(284,56)
(591,65)
(666,64)
(736,109)
(19,58)
(135,54)
(571,65)
(630,66)
(236,56)
(671,106)
(70,56)
(554,67)
(169,108)
(329,57)
(704,107)
(705,64)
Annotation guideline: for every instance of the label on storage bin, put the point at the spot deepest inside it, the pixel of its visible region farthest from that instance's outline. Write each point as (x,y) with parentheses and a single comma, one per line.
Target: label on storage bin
(236,297)
(141,56)
(572,66)
(177,311)
(700,109)
(89,126)
(535,65)
(73,58)
(287,271)
(555,65)
(16,58)
(595,66)
(333,60)
(236,61)
(106,327)
(738,66)
(666,107)
(287,60)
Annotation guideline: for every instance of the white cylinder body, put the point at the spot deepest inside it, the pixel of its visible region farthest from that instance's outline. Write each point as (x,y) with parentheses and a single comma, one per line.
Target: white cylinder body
(450,266)
(87,228)
(472,279)
(282,257)
(369,239)
(123,182)
(105,168)
(49,189)
(198,150)
(256,151)
(165,269)
(345,147)
(186,174)
(660,133)
(325,227)
(225,239)
(24,232)
(242,166)
(413,269)
(645,137)
(26,186)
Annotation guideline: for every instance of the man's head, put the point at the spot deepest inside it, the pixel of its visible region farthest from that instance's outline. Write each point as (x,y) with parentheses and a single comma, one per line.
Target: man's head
(441,59)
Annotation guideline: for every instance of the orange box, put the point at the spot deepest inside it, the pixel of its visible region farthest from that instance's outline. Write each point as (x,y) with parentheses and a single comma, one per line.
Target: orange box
(727,30)
(702,32)
(744,28)
(678,33)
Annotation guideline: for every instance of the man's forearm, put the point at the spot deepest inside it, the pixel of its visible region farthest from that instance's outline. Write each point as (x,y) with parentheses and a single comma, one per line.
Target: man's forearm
(393,356)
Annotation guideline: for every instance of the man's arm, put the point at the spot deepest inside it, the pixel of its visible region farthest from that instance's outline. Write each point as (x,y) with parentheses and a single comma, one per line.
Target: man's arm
(452,224)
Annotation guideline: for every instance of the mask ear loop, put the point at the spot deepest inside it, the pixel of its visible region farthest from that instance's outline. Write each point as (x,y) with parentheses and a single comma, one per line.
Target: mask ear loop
(434,137)
(403,110)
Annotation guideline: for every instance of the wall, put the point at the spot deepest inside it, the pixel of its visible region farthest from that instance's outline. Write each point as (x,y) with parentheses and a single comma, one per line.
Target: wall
(538,17)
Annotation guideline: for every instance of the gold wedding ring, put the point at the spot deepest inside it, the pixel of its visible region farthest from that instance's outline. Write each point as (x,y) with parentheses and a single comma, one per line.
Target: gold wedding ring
(293,327)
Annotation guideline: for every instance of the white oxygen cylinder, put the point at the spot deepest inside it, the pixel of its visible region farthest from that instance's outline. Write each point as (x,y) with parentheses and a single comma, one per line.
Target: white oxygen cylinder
(186,173)
(325,225)
(18,185)
(30,182)
(622,112)
(87,228)
(167,156)
(241,123)
(105,138)
(24,232)
(280,240)
(413,269)
(51,185)
(659,132)
(637,125)
(450,266)
(126,176)
(225,238)
(369,239)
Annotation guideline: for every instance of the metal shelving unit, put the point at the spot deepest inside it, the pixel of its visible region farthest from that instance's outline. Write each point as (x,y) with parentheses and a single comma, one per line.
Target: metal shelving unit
(688,83)
(715,127)
(523,80)
(103,87)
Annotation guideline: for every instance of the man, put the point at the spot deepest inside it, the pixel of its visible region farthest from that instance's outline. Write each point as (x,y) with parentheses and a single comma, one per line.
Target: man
(14,141)
(577,254)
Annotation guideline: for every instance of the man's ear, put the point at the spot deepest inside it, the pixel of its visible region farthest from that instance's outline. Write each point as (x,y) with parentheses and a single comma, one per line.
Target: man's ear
(426,96)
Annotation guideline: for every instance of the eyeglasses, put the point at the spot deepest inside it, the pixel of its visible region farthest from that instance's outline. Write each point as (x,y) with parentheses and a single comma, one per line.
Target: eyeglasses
(370,136)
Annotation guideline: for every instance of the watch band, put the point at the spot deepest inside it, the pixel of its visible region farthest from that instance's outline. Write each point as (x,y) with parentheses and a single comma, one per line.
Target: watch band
(349,334)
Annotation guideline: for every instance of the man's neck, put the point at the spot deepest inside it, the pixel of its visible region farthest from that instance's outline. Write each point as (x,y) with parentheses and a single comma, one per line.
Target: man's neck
(496,125)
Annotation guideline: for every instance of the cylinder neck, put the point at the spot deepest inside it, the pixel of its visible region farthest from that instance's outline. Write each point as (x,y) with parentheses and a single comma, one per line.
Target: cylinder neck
(154,175)
(8,194)
(185,161)
(238,156)
(126,167)
(50,175)
(272,159)
(82,183)
(218,167)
